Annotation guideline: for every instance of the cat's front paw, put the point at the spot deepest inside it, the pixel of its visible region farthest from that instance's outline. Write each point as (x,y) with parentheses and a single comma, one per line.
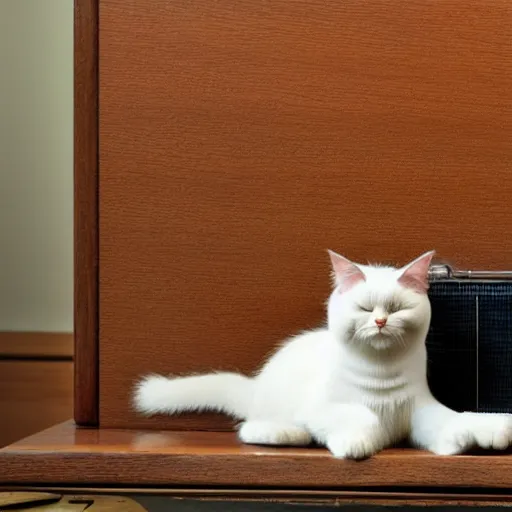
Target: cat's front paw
(469,430)
(361,445)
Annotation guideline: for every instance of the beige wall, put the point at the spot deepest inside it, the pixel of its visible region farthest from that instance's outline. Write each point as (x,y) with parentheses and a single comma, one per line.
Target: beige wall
(36,144)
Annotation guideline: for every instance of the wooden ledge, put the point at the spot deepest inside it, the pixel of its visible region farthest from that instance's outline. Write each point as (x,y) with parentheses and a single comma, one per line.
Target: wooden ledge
(67,455)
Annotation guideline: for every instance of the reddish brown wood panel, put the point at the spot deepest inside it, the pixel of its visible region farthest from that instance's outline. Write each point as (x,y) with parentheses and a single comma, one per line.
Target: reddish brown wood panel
(67,455)
(240,139)
(86,212)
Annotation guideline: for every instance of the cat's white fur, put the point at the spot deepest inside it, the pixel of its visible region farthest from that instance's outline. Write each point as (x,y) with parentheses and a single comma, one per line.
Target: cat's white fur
(351,386)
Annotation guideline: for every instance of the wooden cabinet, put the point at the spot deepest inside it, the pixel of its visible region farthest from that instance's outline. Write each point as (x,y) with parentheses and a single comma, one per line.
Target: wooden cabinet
(221,147)
(238,140)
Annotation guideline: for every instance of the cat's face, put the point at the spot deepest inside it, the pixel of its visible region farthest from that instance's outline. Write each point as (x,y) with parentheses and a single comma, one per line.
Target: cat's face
(379,307)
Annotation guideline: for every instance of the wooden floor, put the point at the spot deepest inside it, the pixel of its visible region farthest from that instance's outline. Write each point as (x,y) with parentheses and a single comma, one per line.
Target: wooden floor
(36,382)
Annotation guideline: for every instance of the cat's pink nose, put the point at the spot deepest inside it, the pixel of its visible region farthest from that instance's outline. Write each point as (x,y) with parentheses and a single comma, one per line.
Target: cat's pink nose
(381,322)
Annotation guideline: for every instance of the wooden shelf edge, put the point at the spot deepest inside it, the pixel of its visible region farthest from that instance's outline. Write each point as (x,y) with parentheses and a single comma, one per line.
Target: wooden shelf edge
(68,455)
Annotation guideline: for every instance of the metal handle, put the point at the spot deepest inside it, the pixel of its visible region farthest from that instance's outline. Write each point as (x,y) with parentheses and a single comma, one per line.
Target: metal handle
(446,272)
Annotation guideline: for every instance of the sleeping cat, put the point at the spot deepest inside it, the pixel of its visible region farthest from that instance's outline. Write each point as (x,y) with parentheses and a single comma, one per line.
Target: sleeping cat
(356,386)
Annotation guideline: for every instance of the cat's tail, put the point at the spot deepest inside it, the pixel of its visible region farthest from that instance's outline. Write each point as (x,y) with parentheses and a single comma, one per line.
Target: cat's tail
(230,393)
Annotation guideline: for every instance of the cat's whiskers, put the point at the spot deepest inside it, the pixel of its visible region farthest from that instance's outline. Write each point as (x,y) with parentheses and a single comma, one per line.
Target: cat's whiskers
(399,337)
(371,335)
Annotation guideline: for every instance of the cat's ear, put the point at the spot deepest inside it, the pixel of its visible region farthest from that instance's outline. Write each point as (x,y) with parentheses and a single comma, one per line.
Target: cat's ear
(415,274)
(346,274)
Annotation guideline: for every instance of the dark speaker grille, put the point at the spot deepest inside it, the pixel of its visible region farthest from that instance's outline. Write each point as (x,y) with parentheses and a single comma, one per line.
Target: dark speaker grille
(470,345)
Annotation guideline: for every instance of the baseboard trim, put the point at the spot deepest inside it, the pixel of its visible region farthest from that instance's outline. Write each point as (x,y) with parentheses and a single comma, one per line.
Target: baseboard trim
(49,346)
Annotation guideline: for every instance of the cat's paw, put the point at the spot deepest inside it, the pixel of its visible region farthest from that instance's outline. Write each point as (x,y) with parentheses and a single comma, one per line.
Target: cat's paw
(359,437)
(360,445)
(270,433)
(469,430)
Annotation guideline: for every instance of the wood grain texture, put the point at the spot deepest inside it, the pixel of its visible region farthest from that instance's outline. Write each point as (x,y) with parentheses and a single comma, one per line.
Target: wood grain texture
(86,212)
(44,345)
(240,139)
(33,395)
(216,459)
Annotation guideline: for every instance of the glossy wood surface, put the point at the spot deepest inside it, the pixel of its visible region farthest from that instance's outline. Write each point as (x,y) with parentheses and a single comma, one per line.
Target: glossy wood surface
(240,139)
(65,455)
(86,212)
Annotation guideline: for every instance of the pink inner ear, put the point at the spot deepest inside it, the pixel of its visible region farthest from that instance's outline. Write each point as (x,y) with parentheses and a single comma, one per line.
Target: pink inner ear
(350,279)
(417,285)
(415,275)
(346,273)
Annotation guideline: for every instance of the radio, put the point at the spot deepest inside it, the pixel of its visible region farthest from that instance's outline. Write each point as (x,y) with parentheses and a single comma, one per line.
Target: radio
(470,339)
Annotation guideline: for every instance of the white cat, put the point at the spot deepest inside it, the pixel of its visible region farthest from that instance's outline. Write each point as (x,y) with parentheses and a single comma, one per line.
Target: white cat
(355,386)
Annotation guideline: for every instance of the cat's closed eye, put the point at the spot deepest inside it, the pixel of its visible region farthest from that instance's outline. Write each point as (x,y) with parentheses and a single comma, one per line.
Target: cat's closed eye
(366,308)
(394,308)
